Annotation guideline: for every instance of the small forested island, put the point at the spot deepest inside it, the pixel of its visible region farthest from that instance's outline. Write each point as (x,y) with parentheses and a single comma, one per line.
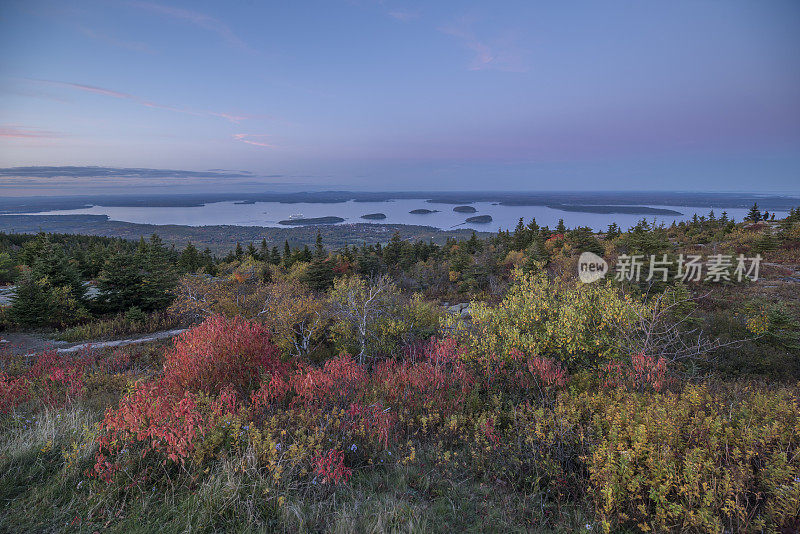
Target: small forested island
(464,209)
(311,220)
(480,219)
(423,211)
(374,216)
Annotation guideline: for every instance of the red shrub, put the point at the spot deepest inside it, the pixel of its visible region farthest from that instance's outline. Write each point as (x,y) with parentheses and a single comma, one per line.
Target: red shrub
(330,466)
(226,403)
(59,377)
(153,417)
(440,380)
(489,432)
(549,372)
(374,420)
(643,371)
(220,352)
(340,380)
(13,391)
(648,371)
(273,389)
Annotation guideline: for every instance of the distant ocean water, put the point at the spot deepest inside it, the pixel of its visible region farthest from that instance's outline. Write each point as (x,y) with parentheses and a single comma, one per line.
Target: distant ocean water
(397,212)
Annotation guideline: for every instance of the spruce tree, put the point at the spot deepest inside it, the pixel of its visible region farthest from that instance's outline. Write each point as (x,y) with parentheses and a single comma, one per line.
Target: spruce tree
(319,250)
(392,251)
(754,215)
(33,301)
(8,271)
(521,237)
(287,254)
(120,283)
(54,265)
(159,278)
(319,275)
(189,261)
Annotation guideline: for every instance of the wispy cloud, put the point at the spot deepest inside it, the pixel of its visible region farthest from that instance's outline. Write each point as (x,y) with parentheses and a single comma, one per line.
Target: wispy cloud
(118,172)
(253,139)
(19,132)
(113,41)
(234,118)
(498,54)
(201,20)
(404,16)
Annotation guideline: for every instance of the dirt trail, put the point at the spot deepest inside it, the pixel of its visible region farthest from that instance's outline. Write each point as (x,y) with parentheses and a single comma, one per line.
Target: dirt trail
(21,343)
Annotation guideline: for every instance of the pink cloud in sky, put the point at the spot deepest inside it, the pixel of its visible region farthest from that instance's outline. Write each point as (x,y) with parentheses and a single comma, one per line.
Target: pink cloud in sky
(18,132)
(128,45)
(245,138)
(234,118)
(500,55)
(201,20)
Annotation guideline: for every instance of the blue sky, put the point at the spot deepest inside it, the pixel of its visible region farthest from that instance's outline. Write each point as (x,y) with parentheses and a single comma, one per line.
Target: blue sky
(700,95)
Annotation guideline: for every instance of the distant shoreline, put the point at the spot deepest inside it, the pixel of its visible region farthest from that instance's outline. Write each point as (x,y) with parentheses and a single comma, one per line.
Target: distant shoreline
(565,201)
(221,238)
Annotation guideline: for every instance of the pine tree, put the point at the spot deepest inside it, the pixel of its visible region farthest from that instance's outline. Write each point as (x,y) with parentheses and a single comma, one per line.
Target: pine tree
(159,278)
(275,256)
(319,275)
(120,284)
(754,215)
(54,265)
(8,271)
(392,251)
(287,255)
(33,301)
(521,237)
(189,261)
(473,245)
(368,264)
(561,229)
(320,250)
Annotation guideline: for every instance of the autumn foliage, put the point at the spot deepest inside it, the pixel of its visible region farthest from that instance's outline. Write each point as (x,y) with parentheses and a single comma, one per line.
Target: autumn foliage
(519,419)
(220,352)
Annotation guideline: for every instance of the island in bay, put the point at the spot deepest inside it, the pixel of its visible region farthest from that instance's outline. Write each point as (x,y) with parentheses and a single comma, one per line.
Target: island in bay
(464,209)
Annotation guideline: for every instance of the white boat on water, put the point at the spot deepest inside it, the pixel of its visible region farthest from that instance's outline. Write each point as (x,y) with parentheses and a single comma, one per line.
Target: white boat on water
(296,216)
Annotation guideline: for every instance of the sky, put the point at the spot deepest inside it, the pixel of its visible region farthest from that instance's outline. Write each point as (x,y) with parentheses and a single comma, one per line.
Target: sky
(700,95)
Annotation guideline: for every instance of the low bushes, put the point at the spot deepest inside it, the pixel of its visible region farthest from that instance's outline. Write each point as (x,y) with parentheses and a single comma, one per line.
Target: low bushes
(134,321)
(698,460)
(646,453)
